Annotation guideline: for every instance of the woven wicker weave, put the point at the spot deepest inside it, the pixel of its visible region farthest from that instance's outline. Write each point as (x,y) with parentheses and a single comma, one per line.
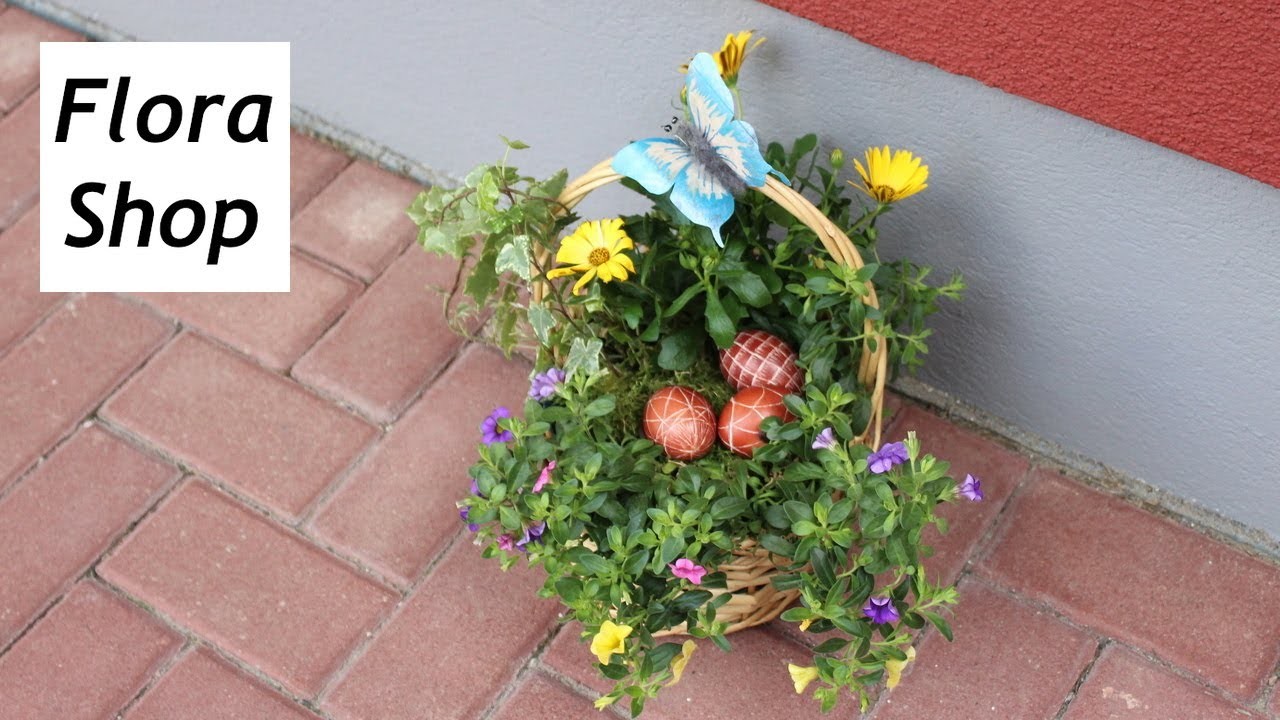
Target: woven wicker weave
(755,600)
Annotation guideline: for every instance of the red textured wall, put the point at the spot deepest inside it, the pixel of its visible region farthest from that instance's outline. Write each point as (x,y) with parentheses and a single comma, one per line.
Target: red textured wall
(1198,76)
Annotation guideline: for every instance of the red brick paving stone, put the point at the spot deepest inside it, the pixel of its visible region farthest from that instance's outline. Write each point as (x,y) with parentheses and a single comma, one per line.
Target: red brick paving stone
(397,509)
(999,469)
(248,585)
(58,373)
(20,36)
(240,423)
(1007,661)
(24,304)
(544,698)
(394,339)
(358,222)
(85,659)
(62,516)
(276,328)
(459,640)
(20,148)
(1123,685)
(1142,579)
(749,682)
(203,687)
(312,165)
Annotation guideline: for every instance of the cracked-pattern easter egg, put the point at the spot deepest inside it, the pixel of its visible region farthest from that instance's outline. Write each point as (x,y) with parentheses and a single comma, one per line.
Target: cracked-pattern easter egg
(681,421)
(759,359)
(740,419)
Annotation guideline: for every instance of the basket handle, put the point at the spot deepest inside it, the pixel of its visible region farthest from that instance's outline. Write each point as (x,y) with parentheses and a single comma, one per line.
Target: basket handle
(872,364)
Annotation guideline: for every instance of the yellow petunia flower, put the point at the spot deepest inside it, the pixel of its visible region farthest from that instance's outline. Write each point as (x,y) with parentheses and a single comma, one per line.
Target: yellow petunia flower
(893,668)
(595,250)
(891,178)
(678,663)
(603,702)
(802,676)
(805,623)
(611,640)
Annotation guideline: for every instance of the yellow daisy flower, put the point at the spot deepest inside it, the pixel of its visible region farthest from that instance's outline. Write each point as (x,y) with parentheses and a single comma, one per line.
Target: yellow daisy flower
(678,663)
(611,640)
(802,676)
(893,668)
(595,250)
(890,179)
(733,52)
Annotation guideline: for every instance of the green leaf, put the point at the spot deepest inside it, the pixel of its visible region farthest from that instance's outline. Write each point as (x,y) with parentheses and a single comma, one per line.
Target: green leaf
(748,286)
(804,528)
(542,321)
(671,548)
(690,601)
(832,645)
(600,407)
(719,326)
(678,304)
(777,545)
(798,511)
(583,355)
(592,563)
(680,350)
(728,507)
(822,566)
(940,623)
(514,257)
(513,144)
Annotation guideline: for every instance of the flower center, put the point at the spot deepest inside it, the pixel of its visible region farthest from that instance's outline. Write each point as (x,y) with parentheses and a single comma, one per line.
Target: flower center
(599,256)
(884,193)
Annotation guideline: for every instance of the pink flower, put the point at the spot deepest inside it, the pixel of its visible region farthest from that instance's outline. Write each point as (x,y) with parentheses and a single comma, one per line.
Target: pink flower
(506,542)
(686,569)
(545,477)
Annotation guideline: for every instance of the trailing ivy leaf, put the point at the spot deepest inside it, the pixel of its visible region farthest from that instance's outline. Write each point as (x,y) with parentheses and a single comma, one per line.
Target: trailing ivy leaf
(584,355)
(514,257)
(542,321)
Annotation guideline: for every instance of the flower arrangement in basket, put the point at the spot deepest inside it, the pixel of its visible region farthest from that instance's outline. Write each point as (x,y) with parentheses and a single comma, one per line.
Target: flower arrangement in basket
(701,447)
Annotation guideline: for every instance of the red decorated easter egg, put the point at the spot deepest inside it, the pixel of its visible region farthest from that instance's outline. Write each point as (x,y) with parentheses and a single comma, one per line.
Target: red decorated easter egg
(681,421)
(758,359)
(740,419)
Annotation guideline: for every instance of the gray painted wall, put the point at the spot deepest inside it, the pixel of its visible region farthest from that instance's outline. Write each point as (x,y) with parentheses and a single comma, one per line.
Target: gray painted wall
(1123,296)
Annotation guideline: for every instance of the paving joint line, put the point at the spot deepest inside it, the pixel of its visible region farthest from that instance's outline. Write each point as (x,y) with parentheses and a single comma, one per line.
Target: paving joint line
(1099,636)
(161,670)
(1074,692)
(990,539)
(517,679)
(190,635)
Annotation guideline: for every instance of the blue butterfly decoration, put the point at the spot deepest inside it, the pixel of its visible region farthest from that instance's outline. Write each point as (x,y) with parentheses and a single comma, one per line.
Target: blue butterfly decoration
(707,163)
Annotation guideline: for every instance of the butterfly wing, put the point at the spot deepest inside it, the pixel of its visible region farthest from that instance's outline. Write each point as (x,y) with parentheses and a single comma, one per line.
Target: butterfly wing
(654,163)
(711,107)
(703,199)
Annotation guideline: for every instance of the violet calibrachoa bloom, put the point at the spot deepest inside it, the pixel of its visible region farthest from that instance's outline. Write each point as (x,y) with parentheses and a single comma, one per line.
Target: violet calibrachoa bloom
(971,489)
(532,533)
(889,456)
(465,514)
(825,440)
(880,610)
(506,542)
(686,569)
(544,383)
(475,488)
(490,432)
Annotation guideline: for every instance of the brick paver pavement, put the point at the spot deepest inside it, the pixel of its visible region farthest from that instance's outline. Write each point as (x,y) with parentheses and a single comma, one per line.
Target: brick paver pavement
(240,506)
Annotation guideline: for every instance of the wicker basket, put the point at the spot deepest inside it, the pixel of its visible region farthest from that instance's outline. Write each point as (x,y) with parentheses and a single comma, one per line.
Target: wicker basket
(755,600)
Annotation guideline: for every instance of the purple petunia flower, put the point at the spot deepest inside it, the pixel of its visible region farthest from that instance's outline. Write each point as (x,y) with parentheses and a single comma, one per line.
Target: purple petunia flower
(544,477)
(544,383)
(506,542)
(890,455)
(880,610)
(533,533)
(971,489)
(475,488)
(490,432)
(465,514)
(825,440)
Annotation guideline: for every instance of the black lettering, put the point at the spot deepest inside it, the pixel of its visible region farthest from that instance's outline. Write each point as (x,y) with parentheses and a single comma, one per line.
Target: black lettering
(117,110)
(197,118)
(259,131)
(217,242)
(69,104)
(144,118)
(124,205)
(90,217)
(197,223)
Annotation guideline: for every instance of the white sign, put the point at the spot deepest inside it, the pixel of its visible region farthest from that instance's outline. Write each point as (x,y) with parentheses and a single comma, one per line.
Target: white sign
(164,167)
